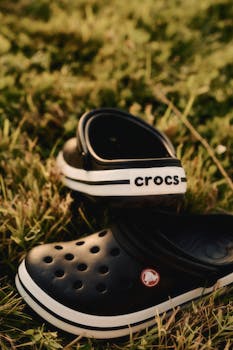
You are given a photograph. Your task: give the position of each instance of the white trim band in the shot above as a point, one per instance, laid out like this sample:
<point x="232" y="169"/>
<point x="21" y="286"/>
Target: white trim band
<point x="148" y="315"/>
<point x="124" y="182"/>
<point x="93" y="333"/>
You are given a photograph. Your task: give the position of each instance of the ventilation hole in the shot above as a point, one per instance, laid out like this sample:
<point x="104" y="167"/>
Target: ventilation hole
<point x="101" y="288"/>
<point x="69" y="257"/>
<point x="103" y="269"/>
<point x="59" y="273"/>
<point x="82" y="267"/>
<point x="115" y="251"/>
<point x="58" y="247"/>
<point x="78" y="284"/>
<point x="95" y="249"/>
<point x="103" y="233"/>
<point x="48" y="259"/>
<point x="80" y="243"/>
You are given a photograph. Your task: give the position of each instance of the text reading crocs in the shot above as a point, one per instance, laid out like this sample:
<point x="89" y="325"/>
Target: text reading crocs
<point x="116" y="281"/>
<point x="120" y="158"/>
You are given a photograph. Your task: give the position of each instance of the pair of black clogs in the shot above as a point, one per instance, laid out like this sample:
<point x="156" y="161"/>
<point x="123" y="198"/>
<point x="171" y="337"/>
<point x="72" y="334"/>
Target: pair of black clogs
<point x="149" y="260"/>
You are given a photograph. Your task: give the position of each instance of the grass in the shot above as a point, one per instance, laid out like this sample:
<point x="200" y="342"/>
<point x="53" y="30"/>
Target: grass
<point x="61" y="58"/>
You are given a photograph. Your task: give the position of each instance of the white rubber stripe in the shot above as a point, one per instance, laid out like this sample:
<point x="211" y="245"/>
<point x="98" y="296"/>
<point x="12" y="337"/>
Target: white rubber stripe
<point x="112" y="321"/>
<point x="90" y="333"/>
<point x="143" y="181"/>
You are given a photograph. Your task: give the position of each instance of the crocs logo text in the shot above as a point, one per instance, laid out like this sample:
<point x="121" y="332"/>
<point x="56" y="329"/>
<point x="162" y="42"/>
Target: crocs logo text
<point x="150" y="277"/>
<point x="157" y="180"/>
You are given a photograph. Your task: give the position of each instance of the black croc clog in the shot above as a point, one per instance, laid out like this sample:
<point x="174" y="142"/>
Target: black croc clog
<point x="119" y="158"/>
<point x="108" y="285"/>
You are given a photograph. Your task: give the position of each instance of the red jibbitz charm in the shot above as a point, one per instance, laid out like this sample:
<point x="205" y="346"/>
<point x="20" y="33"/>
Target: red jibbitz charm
<point x="150" y="277"/>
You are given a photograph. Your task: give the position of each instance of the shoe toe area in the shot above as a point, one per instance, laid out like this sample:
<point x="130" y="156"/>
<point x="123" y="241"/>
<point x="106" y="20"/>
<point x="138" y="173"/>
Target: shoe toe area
<point x="86" y="274"/>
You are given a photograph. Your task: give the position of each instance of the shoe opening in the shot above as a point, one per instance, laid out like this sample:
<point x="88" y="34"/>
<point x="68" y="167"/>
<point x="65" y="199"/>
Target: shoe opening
<point x="114" y="138"/>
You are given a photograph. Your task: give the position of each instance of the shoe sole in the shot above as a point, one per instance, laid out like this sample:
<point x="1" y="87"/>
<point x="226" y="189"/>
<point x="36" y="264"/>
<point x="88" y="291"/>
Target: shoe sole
<point x="100" y="327"/>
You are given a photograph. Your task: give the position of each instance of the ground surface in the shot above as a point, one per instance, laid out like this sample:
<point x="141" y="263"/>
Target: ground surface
<point x="170" y="62"/>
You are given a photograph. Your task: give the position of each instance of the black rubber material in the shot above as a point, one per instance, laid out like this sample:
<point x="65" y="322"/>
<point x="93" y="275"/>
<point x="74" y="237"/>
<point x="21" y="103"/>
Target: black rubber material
<point x="110" y="139"/>
<point x="204" y="239"/>
<point x="100" y="274"/>
<point x="167" y="202"/>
